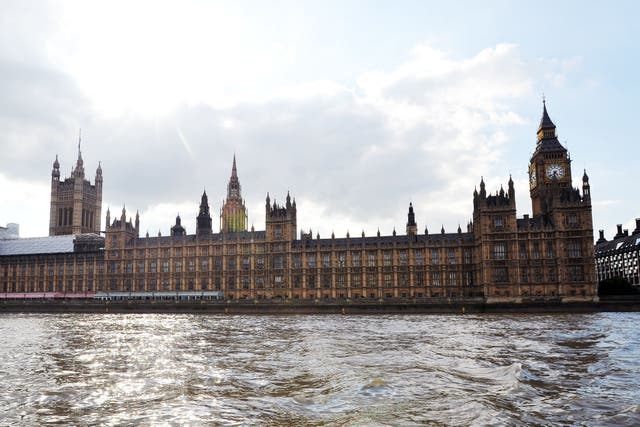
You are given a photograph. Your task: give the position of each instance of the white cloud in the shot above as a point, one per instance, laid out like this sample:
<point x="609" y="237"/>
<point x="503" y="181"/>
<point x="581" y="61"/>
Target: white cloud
<point x="354" y="154"/>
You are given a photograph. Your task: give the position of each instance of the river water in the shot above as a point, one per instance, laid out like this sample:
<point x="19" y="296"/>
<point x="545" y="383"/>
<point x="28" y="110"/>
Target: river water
<point x="167" y="369"/>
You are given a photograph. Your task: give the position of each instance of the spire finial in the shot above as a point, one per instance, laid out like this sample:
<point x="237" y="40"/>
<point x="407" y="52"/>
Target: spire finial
<point x="79" y="141"/>
<point x="234" y="171"/>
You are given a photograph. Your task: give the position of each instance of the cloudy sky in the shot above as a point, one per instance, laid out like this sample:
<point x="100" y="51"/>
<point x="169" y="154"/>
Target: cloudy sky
<point x="355" y="107"/>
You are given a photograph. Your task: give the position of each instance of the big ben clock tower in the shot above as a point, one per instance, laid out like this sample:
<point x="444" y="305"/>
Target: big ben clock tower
<point x="549" y="168"/>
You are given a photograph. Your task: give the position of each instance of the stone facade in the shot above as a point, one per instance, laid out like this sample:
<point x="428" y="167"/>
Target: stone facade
<point x="546" y="256"/>
<point x="76" y="204"/>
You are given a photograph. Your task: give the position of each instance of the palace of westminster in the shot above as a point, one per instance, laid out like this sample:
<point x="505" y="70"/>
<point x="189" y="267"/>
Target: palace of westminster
<point x="500" y="257"/>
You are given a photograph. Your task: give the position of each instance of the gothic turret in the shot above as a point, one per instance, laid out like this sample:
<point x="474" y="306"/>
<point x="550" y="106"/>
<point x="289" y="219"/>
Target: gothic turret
<point x="203" y="220"/>
<point x="178" y="229"/>
<point x="55" y="173"/>
<point x="586" y="188"/>
<point x="412" y="227"/>
<point x="281" y="221"/>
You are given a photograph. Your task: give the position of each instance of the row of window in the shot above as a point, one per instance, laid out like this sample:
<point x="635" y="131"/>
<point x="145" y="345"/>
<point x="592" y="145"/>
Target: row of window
<point x="574" y="250"/>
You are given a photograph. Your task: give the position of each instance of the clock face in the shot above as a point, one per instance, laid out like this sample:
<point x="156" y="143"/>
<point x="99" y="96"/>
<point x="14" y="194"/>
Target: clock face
<point x="532" y="177"/>
<point x="555" y="171"/>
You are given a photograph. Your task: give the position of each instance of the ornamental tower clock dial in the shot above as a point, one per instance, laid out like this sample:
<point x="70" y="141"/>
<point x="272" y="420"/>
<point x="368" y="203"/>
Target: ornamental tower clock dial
<point x="555" y="171"/>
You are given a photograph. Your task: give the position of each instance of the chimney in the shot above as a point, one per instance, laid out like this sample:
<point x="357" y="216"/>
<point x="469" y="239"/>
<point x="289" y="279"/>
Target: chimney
<point x="626" y="232"/>
<point x="637" y="230"/>
<point x="619" y="233"/>
<point x="601" y="239"/>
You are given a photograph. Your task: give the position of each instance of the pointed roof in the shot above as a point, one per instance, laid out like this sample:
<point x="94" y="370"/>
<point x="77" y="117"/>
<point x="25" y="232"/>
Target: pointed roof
<point x="545" y="120"/>
<point x="547" y="141"/>
<point x="234" y="171"/>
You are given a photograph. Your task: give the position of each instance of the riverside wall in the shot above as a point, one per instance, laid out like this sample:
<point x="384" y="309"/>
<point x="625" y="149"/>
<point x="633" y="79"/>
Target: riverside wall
<point x="320" y="307"/>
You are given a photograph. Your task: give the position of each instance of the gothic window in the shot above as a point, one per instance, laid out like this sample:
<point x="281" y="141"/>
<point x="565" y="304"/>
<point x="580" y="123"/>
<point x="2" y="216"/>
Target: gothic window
<point x="245" y="283"/>
<point x="297" y="281"/>
<point x="245" y="263"/>
<point x="499" y="250"/>
<point x="538" y="274"/>
<point x="191" y="265"/>
<point x="523" y="250"/>
<point x="326" y="260"/>
<point x="452" y="278"/>
<point x="419" y="279"/>
<point x="259" y="282"/>
<point x="550" y="249"/>
<point x="467" y="256"/>
<point x="178" y="267"/>
<point x="386" y="258"/>
<point x="311" y="281"/>
<point x="524" y="276"/>
<point x="572" y="220"/>
<point x="342" y="280"/>
<point x="140" y="266"/>
<point x="311" y="260"/>
<point x="452" y="256"/>
<point x="435" y="278"/>
<point x="435" y="256"/>
<point x="260" y="262"/>
<point x="552" y="274"/>
<point x="277" y="261"/>
<point x="371" y="280"/>
<point x="356" y="281"/>
<point x="355" y="259"/>
<point x="403" y="257"/>
<point x="129" y="267"/>
<point x="576" y="273"/>
<point x="297" y="262"/>
<point x="278" y="231"/>
<point x="371" y="259"/>
<point x="388" y="280"/>
<point x="403" y="279"/>
<point x="574" y="249"/>
<point x="468" y="278"/>
<point x="498" y="223"/>
<point x="326" y="281"/>
<point x="536" y="250"/>
<point x="341" y="259"/>
<point x="153" y="266"/>
<point x="165" y="266"/>
<point x="501" y="275"/>
<point x="231" y="263"/>
<point x="419" y="257"/>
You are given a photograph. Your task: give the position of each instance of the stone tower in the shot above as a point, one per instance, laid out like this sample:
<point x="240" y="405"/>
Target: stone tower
<point x="203" y="220"/>
<point x="233" y="215"/>
<point x="281" y="221"/>
<point x="75" y="203"/>
<point x="412" y="227"/>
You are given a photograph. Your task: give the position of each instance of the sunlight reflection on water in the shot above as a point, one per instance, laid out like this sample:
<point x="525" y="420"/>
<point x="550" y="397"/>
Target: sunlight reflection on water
<point x="319" y="370"/>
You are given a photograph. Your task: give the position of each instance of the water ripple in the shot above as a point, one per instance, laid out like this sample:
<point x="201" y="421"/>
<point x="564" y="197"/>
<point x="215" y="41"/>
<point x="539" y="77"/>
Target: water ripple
<point x="83" y="369"/>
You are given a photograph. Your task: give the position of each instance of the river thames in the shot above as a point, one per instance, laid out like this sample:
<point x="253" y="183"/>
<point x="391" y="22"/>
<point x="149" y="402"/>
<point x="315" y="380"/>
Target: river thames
<point x="150" y="369"/>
